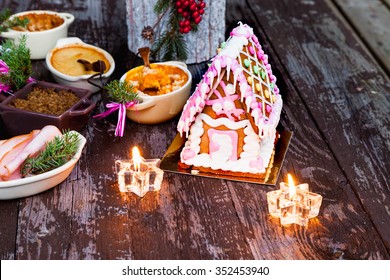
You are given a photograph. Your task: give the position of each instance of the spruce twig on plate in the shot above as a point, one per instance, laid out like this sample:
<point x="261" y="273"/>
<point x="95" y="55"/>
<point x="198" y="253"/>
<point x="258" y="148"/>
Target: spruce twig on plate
<point x="57" y="152"/>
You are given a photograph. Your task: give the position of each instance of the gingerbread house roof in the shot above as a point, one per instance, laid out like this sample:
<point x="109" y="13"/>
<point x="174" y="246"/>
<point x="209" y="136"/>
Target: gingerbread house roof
<point x="242" y="57"/>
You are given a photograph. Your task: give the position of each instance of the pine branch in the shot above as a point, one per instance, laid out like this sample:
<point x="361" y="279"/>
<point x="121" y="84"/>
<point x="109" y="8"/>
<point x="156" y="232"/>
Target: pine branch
<point x="122" y="92"/>
<point x="171" y="44"/>
<point x="162" y="6"/>
<point x="17" y="58"/>
<point x="57" y="152"/>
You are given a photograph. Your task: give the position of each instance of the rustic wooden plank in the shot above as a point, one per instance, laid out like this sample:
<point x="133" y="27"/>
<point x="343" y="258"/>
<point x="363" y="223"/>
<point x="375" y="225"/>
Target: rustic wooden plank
<point x="192" y="218"/>
<point x="371" y="20"/>
<point x="88" y="218"/>
<point x="344" y="90"/>
<point x="387" y="3"/>
<point x="8" y="228"/>
<point x="343" y="224"/>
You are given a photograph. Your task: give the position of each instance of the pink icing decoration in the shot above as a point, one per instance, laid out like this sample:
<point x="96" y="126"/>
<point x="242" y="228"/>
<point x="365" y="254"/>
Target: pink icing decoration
<point x="242" y="31"/>
<point x="257" y="163"/>
<point x="251" y="50"/>
<point x="265" y="59"/>
<point x="193" y="107"/>
<point x="255" y="40"/>
<point x="230" y="98"/>
<point x="215" y="146"/>
<point x="260" y="54"/>
<point x="188" y="154"/>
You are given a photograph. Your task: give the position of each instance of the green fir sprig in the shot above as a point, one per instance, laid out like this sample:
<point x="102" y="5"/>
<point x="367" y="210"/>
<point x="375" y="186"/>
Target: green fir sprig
<point x="162" y="6"/>
<point x="122" y="92"/>
<point x="170" y="45"/>
<point x="17" y="58"/>
<point x="57" y="152"/>
<point x="6" y="23"/>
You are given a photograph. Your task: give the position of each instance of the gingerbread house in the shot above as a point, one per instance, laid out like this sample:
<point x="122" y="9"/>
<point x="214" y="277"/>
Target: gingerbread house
<point x="230" y="120"/>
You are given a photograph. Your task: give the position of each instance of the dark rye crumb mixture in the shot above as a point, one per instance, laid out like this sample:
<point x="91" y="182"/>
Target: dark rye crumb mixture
<point x="46" y="101"/>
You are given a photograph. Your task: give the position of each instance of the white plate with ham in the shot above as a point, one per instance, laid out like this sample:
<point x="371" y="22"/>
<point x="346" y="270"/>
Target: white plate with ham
<point x="34" y="184"/>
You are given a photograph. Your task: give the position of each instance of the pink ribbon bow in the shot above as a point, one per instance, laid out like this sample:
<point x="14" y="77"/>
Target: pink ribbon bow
<point x="112" y="107"/>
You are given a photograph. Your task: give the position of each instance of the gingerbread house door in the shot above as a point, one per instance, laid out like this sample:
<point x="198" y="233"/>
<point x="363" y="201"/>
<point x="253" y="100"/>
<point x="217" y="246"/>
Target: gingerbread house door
<point x="223" y="145"/>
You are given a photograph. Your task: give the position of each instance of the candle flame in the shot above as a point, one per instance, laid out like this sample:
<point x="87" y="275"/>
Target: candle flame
<point x="292" y="190"/>
<point x="136" y="159"/>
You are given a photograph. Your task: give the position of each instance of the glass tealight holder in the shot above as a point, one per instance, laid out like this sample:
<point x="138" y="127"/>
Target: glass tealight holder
<point x="140" y="178"/>
<point x="297" y="208"/>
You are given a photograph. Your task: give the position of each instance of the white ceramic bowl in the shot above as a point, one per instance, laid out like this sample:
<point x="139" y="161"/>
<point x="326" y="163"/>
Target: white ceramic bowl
<point x="161" y="108"/>
<point x="40" y="42"/>
<point x="36" y="184"/>
<point x="79" y="81"/>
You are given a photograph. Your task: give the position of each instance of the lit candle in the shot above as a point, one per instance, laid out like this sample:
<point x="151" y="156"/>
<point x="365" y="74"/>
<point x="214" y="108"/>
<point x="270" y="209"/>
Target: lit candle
<point x="138" y="175"/>
<point x="293" y="204"/>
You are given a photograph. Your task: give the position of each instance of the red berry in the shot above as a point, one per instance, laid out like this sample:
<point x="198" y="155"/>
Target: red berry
<point x="186" y="3"/>
<point x="187" y="23"/>
<point x="180" y="10"/>
<point x="178" y="4"/>
<point x="201" y="11"/>
<point x="195" y="14"/>
<point x="198" y="19"/>
<point x="186" y="14"/>
<point x="193" y="7"/>
<point x="181" y="23"/>
<point x="201" y="5"/>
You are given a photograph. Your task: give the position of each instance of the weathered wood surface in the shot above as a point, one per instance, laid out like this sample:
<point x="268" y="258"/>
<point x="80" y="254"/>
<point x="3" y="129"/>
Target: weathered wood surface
<point x="345" y="92"/>
<point x="335" y="100"/>
<point x="371" y="19"/>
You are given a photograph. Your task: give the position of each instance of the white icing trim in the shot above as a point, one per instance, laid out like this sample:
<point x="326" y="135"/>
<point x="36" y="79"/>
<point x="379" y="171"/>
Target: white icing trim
<point x="223" y="121"/>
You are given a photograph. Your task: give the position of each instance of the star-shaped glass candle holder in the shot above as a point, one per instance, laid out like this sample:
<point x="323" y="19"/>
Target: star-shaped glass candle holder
<point x="138" y="175"/>
<point x="293" y="204"/>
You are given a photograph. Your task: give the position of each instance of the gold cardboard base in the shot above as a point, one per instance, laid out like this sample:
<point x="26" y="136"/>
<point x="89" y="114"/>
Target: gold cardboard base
<point x="171" y="159"/>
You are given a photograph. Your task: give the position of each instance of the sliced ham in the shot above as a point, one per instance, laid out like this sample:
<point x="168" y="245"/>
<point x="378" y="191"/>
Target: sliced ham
<point x="36" y="145"/>
<point x="16" y="175"/>
<point x="12" y="142"/>
<point x="11" y="154"/>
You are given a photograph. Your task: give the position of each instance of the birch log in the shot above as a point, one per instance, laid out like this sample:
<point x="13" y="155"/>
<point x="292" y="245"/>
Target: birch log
<point x="202" y="45"/>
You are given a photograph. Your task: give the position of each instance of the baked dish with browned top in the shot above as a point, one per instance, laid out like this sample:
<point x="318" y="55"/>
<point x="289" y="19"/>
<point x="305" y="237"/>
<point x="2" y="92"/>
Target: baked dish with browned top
<point x="40" y="22"/>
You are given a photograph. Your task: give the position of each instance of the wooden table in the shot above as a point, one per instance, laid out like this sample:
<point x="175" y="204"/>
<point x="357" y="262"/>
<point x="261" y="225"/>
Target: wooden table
<point x="331" y="62"/>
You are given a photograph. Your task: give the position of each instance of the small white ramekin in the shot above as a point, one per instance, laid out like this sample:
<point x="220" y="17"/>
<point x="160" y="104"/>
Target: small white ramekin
<point x="79" y="81"/>
<point x="40" y="42"/>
